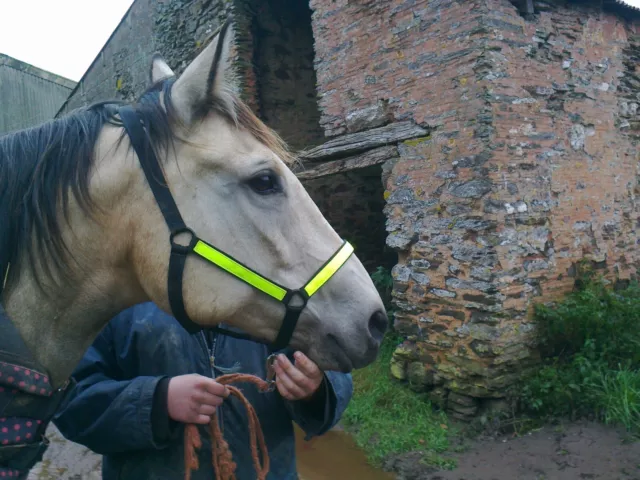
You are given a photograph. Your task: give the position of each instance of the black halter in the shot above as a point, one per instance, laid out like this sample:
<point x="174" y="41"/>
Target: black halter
<point x="155" y="177"/>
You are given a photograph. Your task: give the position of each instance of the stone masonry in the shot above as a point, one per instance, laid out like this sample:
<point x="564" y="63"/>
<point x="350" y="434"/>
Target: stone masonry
<point x="530" y="166"/>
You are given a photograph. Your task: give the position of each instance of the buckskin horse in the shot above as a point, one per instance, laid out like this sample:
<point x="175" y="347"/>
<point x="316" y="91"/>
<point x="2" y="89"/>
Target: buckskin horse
<point x="184" y="198"/>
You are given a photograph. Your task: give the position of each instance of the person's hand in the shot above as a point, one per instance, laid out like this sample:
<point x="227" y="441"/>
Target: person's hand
<point x="299" y="381"/>
<point x="193" y="398"/>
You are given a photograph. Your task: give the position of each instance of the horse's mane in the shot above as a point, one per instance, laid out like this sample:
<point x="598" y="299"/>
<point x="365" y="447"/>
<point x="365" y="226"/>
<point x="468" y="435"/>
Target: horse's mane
<point x="39" y="166"/>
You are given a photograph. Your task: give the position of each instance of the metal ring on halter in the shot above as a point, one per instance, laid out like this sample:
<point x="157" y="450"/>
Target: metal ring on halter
<point x="271" y="372"/>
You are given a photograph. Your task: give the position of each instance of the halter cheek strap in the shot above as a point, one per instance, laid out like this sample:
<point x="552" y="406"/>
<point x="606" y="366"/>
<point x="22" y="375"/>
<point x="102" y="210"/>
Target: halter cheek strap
<point x="294" y="300"/>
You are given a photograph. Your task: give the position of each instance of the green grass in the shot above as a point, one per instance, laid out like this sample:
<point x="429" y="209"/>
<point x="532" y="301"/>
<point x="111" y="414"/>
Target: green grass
<point x="592" y="365"/>
<point x="617" y="394"/>
<point x="387" y="418"/>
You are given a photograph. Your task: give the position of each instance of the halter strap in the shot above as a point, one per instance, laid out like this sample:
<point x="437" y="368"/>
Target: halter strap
<point x="158" y="184"/>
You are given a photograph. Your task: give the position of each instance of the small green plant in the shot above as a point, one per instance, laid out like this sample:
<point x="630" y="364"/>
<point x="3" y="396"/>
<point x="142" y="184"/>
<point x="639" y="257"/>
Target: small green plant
<point x="383" y="281"/>
<point x="591" y="342"/>
<point x="617" y="394"/>
<point x="608" y="320"/>
<point x="387" y="418"/>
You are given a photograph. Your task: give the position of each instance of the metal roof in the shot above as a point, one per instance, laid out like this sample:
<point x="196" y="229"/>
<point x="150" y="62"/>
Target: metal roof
<point x="28" y="95"/>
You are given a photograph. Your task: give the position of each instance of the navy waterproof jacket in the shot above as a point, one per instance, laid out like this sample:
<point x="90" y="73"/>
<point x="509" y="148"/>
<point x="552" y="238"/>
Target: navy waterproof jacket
<point x="118" y="407"/>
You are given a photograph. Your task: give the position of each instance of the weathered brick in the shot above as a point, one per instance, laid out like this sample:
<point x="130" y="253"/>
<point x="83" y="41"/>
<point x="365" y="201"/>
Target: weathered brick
<point x="523" y="175"/>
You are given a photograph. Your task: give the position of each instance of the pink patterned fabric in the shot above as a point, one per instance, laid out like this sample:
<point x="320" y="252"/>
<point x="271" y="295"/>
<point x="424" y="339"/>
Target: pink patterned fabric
<point x="16" y="430"/>
<point x="9" y="473"/>
<point x="20" y="378"/>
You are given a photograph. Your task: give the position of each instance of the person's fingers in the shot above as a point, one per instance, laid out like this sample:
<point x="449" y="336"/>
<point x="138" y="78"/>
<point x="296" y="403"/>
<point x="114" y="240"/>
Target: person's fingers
<point x="213" y="387"/>
<point x="306" y="366"/>
<point x="290" y="386"/>
<point x="283" y="389"/>
<point x="202" y="419"/>
<point x="206" y="398"/>
<point x="207" y="410"/>
<point x="299" y="378"/>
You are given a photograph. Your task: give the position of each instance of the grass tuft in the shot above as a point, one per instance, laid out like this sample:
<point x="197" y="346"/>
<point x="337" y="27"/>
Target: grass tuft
<point x="387" y="418"/>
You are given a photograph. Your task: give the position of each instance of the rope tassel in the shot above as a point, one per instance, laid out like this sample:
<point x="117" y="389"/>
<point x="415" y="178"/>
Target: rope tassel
<point x="223" y="464"/>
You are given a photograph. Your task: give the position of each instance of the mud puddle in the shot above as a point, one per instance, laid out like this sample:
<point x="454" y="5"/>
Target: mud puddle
<point x="334" y="456"/>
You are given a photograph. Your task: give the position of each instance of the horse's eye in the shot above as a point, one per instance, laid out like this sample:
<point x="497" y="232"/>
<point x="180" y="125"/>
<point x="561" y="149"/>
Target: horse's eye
<point x="265" y="183"/>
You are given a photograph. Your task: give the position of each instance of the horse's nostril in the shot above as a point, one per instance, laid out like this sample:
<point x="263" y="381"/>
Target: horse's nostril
<point x="378" y="324"/>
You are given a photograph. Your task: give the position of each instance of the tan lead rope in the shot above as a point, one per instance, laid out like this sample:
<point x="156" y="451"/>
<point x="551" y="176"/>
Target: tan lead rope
<point x="223" y="464"/>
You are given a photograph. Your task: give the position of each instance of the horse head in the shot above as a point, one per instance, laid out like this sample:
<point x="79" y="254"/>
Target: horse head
<point x="231" y="181"/>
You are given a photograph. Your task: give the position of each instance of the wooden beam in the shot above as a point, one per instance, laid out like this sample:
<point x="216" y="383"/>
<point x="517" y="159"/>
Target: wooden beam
<point x="355" y="143"/>
<point x="367" y="159"/>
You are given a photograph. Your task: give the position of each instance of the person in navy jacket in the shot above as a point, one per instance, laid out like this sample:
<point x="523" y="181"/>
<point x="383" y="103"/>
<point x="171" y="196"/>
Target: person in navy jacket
<point x="144" y="377"/>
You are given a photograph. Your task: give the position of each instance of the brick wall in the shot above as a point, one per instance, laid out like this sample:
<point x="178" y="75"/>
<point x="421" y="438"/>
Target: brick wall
<point x="531" y="167"/>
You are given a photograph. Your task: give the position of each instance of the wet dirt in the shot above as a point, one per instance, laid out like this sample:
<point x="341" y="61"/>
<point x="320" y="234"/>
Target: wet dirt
<point x="576" y="451"/>
<point x="573" y="451"/>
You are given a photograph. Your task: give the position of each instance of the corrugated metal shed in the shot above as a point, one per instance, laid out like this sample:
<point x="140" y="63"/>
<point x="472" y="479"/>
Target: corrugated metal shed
<point x="28" y="95"/>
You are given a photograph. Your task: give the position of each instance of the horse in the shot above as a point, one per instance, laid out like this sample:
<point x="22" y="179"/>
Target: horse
<point x="184" y="198"/>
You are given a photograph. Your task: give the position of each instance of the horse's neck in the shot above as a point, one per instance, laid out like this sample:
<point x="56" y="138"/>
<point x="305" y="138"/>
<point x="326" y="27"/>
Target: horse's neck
<point x="58" y="327"/>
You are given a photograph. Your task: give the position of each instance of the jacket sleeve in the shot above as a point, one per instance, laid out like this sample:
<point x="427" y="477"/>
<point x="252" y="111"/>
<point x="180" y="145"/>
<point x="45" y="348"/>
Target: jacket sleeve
<point x="106" y="411"/>
<point x="324" y="411"/>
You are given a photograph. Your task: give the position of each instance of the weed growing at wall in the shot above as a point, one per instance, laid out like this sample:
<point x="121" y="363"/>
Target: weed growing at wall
<point x="387" y="418"/>
<point x="383" y="281"/>
<point x="591" y="343"/>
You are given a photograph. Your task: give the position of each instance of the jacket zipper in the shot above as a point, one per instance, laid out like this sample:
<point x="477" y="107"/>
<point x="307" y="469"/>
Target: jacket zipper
<point x="211" y="352"/>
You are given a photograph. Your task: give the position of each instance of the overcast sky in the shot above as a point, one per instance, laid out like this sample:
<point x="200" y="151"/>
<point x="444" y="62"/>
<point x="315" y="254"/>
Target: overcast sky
<point x="63" y="36"/>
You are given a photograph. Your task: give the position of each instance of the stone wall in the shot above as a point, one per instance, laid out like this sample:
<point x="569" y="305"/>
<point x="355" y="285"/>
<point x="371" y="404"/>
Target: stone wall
<point x="177" y="29"/>
<point x="284" y="70"/>
<point x="274" y="57"/>
<point x="531" y="166"/>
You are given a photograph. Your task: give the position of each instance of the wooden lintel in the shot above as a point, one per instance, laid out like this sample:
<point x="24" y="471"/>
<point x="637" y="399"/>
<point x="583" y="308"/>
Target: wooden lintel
<point x="366" y="159"/>
<point x="356" y="143"/>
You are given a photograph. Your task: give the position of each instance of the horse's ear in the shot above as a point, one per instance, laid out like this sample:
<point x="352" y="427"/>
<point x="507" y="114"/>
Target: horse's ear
<point x="159" y="69"/>
<point x="208" y="79"/>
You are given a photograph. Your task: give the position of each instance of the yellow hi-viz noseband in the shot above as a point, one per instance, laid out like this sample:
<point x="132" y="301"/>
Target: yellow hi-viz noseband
<point x="265" y="285"/>
<point x="271" y="288"/>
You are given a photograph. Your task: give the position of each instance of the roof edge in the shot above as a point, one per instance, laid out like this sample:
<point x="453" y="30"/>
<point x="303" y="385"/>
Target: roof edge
<point x="36" y="71"/>
<point x="625" y="4"/>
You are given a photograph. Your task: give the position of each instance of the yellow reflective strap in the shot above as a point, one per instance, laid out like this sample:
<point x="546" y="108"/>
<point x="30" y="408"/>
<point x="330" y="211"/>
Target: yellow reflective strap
<point x="329" y="269"/>
<point x="243" y="273"/>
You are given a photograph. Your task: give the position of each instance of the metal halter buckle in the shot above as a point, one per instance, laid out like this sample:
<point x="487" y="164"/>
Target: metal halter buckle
<point x="271" y="372"/>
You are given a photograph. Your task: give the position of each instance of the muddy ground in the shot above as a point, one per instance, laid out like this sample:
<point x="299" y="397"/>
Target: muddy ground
<point x="573" y="451"/>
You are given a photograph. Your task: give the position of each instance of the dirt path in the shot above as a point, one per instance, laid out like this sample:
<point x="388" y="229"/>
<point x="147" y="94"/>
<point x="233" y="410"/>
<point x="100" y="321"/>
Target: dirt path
<point x="578" y="451"/>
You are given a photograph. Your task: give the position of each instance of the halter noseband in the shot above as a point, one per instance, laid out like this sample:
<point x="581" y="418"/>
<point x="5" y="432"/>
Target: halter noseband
<point x="208" y="252"/>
